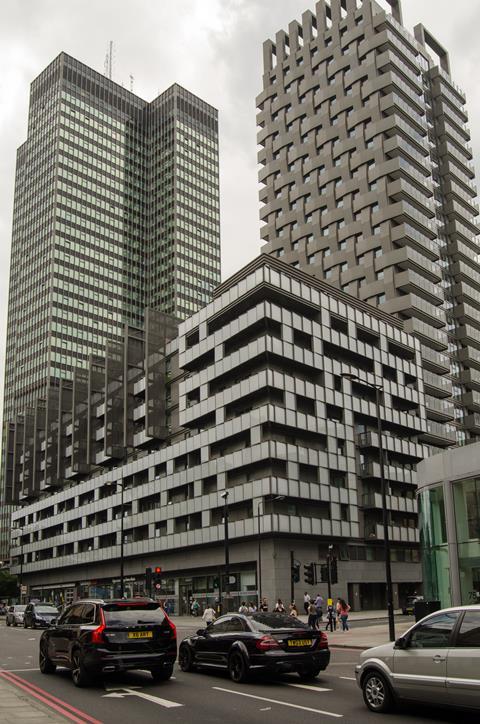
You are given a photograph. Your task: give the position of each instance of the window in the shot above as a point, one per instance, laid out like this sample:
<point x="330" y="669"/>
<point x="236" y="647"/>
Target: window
<point x="235" y="624"/>
<point x="469" y="634"/>
<point x="220" y="626"/>
<point x="434" y="633"/>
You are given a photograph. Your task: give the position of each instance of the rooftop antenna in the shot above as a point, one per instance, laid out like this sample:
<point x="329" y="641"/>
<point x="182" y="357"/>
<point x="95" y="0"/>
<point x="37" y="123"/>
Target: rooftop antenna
<point x="109" y="61"/>
<point x="131" y="83"/>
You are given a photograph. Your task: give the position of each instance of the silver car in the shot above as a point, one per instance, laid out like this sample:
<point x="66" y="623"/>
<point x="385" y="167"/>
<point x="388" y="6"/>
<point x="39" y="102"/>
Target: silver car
<point x="437" y="661"/>
<point x="15" y="615"/>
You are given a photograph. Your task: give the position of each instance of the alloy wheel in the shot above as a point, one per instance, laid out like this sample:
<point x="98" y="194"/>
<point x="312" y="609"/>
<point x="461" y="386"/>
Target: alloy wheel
<point x="375" y="692"/>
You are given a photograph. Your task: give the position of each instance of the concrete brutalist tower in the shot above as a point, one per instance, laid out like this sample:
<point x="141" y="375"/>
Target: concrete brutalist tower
<point x="368" y="183"/>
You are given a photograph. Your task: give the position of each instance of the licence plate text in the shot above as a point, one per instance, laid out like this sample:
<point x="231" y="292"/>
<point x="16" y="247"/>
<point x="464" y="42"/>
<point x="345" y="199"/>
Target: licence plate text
<point x="140" y="635"/>
<point x="300" y="642"/>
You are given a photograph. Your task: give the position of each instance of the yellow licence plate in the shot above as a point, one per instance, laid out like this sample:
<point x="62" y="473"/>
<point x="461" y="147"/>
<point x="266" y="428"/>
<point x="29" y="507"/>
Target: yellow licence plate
<point x="140" y="635"/>
<point x="300" y="642"/>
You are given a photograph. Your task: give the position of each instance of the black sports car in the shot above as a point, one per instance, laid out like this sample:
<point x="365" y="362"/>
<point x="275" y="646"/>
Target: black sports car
<point x="261" y="642"/>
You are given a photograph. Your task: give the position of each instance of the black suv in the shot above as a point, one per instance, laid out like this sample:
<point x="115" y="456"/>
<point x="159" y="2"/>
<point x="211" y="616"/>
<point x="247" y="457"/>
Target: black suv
<point x="93" y="637"/>
<point x="39" y="615"/>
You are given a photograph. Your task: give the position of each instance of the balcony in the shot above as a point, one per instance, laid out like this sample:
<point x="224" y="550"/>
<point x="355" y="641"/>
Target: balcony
<point x="437" y="385"/>
<point x="407" y="235"/>
<point x="469" y="356"/>
<point x="472" y="423"/>
<point x="435" y="361"/>
<point x="433" y="337"/>
<point x="440" y="410"/>
<point x="392" y="473"/>
<point x="398" y="534"/>
<point x="410" y="281"/>
<point x="470" y="378"/>
<point x="438" y="434"/>
<point x="468" y="336"/>
<point x="471" y="400"/>
<point x="394" y="502"/>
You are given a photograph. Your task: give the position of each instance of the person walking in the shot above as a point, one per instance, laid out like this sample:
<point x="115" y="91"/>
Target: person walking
<point x="319" y="602"/>
<point x="312" y="615"/>
<point x="343" y="610"/>
<point x="209" y="615"/>
<point x="195" y="607"/>
<point x="264" y="605"/>
<point x="279" y="607"/>
<point x="306" y="601"/>
<point x="243" y="608"/>
<point x="293" y="609"/>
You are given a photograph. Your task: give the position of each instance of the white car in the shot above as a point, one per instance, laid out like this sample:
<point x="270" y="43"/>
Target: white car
<point x="15" y="615"/>
<point x="437" y="661"/>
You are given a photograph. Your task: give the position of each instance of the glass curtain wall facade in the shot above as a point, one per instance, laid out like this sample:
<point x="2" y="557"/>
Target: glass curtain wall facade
<point x="107" y="221"/>
<point x="368" y="182"/>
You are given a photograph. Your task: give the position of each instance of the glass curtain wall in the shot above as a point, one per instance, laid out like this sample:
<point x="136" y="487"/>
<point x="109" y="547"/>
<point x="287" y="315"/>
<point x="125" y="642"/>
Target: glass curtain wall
<point x="466" y="494"/>
<point x="434" y="546"/>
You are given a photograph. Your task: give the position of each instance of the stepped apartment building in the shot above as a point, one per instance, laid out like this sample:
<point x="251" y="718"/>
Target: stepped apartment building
<point x="116" y="209"/>
<point x="368" y="183"/>
<point x="248" y="397"/>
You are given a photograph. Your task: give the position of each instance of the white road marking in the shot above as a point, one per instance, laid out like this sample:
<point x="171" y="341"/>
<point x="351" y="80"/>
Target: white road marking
<point x="32" y="639"/>
<point x="281" y="703"/>
<point x="19" y="671"/>
<point x="121" y="692"/>
<point x="347" y="678"/>
<point x="309" y="687"/>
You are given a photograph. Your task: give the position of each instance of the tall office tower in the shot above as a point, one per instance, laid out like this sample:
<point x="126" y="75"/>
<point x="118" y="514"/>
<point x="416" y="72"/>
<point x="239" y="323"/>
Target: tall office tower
<point x="368" y="183"/>
<point x="116" y="208"/>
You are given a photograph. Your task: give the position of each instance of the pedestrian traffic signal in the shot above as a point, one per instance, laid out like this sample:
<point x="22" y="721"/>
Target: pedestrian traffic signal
<point x="295" y="571"/>
<point x="309" y="574"/>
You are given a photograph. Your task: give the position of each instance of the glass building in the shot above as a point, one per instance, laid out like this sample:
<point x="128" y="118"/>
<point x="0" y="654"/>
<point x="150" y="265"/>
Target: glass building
<point x="449" y="493"/>
<point x="116" y="209"/>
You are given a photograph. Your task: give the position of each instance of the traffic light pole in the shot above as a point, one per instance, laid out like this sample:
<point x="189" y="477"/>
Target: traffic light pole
<point x="329" y="575"/>
<point x="292" y="582"/>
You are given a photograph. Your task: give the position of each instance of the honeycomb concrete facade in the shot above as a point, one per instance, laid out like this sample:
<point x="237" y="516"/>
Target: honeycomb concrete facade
<point x="368" y="183"/>
<point x="258" y="408"/>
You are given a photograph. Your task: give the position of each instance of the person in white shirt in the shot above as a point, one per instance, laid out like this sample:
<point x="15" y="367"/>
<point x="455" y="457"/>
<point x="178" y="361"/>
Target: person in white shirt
<point x="209" y="615"/>
<point x="306" y="601"/>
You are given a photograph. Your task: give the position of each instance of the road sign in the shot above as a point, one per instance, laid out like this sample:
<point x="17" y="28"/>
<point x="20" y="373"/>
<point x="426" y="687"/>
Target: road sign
<point x="23" y="590"/>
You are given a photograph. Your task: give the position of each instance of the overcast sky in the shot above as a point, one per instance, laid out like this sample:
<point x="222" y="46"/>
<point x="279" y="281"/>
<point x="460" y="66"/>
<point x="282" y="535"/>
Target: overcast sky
<point x="214" y="49"/>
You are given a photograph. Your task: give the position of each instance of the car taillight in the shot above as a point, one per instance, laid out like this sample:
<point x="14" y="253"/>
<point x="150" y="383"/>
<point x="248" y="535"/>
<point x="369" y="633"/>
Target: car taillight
<point x="266" y="643"/>
<point x="323" y="641"/>
<point x="97" y="634"/>
<point x="173" y="628"/>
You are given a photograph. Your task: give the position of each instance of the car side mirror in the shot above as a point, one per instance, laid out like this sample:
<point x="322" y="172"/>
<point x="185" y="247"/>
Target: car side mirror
<point x="401" y="643"/>
<point x="53" y="622"/>
<point x="202" y="632"/>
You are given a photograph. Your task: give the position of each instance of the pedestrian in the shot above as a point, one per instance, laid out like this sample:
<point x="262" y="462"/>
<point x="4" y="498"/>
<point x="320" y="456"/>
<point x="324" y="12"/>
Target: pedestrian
<point x="306" y="601"/>
<point x="312" y="615"/>
<point x="319" y="602"/>
<point x="279" y="607"/>
<point x="195" y="607"/>
<point x="252" y="608"/>
<point x="293" y="609"/>
<point x="343" y="610"/>
<point x="243" y="608"/>
<point x="209" y="615"/>
<point x="264" y="605"/>
<point x="331" y="619"/>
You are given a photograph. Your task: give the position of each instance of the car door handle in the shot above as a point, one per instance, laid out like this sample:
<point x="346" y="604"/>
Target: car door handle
<point x="438" y="659"/>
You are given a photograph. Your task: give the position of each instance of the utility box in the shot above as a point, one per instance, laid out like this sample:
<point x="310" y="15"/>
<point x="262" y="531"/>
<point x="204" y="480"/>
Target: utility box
<point x="423" y="608"/>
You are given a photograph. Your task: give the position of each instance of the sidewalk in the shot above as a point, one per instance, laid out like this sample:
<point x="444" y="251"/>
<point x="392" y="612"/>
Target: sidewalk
<point x="18" y="707"/>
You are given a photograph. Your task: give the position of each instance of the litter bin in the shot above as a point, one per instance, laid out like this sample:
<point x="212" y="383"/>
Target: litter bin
<point x="423" y="608"/>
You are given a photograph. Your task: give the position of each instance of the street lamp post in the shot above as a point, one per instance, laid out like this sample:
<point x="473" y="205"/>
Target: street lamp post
<point x="119" y="483"/>
<point x="259" y="553"/>
<point x="386" y="534"/>
<point x="227" y="551"/>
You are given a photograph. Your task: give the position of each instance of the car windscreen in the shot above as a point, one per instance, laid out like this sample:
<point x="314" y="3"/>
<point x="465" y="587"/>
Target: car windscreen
<point x="133" y="615"/>
<point x="269" y="621"/>
<point x="46" y="609"/>
<point x="19" y="609"/>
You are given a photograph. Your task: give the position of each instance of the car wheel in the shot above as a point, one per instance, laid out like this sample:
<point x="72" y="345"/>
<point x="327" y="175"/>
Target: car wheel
<point x="376" y="692"/>
<point x="160" y="674"/>
<point x="237" y="667"/>
<point x="44" y="661"/>
<point x="309" y="674"/>
<point x="80" y="676"/>
<point x="185" y="658"/>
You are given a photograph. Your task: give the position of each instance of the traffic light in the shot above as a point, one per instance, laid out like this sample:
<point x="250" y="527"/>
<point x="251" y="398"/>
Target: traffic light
<point x="157" y="576"/>
<point x="309" y="573"/>
<point x="333" y="570"/>
<point x="148" y="580"/>
<point x="295" y="571"/>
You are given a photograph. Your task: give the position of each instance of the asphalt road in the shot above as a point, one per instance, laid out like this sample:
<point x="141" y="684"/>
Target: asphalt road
<point x="208" y="698"/>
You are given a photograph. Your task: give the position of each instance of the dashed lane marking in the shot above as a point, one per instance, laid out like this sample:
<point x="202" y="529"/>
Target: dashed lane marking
<point x="347" y="678"/>
<point x="309" y="687"/>
<point x="280" y="703"/>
